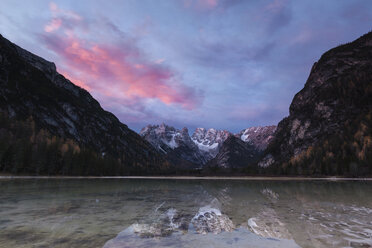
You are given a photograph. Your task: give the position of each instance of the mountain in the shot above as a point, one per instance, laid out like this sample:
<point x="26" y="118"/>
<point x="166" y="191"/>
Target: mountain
<point x="33" y="92"/>
<point x="209" y="141"/>
<point x="234" y="153"/>
<point x="259" y="137"/>
<point x="175" y="144"/>
<point x="210" y="147"/>
<point x="242" y="150"/>
<point x="329" y="128"/>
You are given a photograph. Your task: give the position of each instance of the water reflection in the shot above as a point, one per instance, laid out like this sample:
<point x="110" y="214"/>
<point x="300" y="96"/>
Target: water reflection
<point x="163" y="213"/>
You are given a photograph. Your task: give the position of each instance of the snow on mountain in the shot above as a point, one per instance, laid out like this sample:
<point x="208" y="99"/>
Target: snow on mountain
<point x="204" y="144"/>
<point x="259" y="137"/>
<point x="176" y="143"/>
<point x="209" y="140"/>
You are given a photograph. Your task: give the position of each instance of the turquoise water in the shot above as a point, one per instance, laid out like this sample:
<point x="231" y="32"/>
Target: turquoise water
<point x="184" y="213"/>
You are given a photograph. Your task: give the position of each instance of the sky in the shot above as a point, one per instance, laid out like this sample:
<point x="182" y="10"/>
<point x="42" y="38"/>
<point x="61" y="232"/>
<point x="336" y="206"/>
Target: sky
<point x="223" y="64"/>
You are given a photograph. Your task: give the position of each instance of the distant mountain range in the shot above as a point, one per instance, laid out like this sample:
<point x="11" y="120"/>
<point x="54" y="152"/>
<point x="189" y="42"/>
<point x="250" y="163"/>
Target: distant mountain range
<point x="49" y="126"/>
<point x="207" y="144"/>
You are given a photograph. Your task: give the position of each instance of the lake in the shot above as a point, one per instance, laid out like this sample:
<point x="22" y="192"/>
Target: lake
<point x="122" y="212"/>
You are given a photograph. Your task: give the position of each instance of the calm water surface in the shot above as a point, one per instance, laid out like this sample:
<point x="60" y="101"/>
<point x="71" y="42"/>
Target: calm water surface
<point x="113" y="213"/>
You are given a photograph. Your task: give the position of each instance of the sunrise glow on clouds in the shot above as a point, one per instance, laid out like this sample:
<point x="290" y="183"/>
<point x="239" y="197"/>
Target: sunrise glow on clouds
<point x="117" y="70"/>
<point x="227" y="64"/>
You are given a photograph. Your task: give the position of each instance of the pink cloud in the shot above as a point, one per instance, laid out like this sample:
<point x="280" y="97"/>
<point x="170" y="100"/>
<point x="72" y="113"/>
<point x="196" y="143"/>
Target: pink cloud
<point x="55" y="10"/>
<point x="76" y="81"/>
<point x="114" y="69"/>
<point x="59" y="17"/>
<point x="55" y="24"/>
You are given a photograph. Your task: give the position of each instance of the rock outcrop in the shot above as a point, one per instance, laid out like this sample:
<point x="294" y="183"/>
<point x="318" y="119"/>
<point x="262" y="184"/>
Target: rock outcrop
<point x="259" y="137"/>
<point x="175" y="144"/>
<point x="211" y="220"/>
<point x="210" y="147"/>
<point x="234" y="153"/>
<point x="209" y="141"/>
<point x="329" y="128"/>
<point x="30" y="86"/>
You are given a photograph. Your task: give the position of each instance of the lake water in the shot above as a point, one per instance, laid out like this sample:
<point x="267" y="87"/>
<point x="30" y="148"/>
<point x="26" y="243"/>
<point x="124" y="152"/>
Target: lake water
<point x="113" y="213"/>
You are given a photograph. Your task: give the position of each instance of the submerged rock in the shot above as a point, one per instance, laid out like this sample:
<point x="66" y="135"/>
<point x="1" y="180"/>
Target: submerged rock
<point x="270" y="194"/>
<point x="241" y="238"/>
<point x="164" y="225"/>
<point x="211" y="220"/>
<point x="152" y="230"/>
<point x="267" y="224"/>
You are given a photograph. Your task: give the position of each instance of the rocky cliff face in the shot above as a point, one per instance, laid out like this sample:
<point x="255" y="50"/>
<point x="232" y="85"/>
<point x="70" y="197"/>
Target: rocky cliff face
<point x="208" y="146"/>
<point x="229" y="150"/>
<point x="209" y="141"/>
<point x="329" y="130"/>
<point x="259" y="137"/>
<point x="31" y="86"/>
<point x="175" y="144"/>
<point x="234" y="153"/>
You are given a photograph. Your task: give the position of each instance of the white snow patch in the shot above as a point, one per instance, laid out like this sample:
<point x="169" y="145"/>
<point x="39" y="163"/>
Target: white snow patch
<point x="172" y="143"/>
<point x="205" y="147"/>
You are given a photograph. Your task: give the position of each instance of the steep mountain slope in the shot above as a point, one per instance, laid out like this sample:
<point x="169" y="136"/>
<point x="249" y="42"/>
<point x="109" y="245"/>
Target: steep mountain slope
<point x="209" y="141"/>
<point x="329" y="129"/>
<point x="31" y="86"/>
<point x="234" y="153"/>
<point x="259" y="137"/>
<point x="176" y="144"/>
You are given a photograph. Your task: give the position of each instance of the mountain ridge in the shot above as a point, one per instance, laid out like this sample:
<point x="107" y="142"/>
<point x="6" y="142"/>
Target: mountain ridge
<point x="207" y="142"/>
<point x="328" y="130"/>
<point x="31" y="86"/>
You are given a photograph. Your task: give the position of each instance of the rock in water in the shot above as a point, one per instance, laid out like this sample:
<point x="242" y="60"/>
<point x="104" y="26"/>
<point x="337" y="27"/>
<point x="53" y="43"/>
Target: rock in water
<point x="268" y="225"/>
<point x="211" y="220"/>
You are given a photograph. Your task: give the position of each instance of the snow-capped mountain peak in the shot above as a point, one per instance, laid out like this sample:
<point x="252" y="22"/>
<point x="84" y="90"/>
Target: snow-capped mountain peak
<point x="204" y="144"/>
<point x="158" y="135"/>
<point x="174" y="142"/>
<point x="209" y="140"/>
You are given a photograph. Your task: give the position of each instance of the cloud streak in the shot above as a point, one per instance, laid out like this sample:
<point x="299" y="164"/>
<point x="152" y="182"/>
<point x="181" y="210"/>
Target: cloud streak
<point x="115" y="69"/>
<point x="146" y="61"/>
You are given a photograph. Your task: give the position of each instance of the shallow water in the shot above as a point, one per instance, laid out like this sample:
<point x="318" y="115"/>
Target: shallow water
<point x="115" y="213"/>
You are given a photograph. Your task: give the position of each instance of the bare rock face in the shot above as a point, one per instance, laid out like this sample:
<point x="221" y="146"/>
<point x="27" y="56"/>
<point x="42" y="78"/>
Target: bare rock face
<point x="208" y="147"/>
<point x="260" y="137"/>
<point x="209" y="141"/>
<point x="31" y="86"/>
<point x="234" y="153"/>
<point x="329" y="114"/>
<point x="233" y="150"/>
<point x="175" y="144"/>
